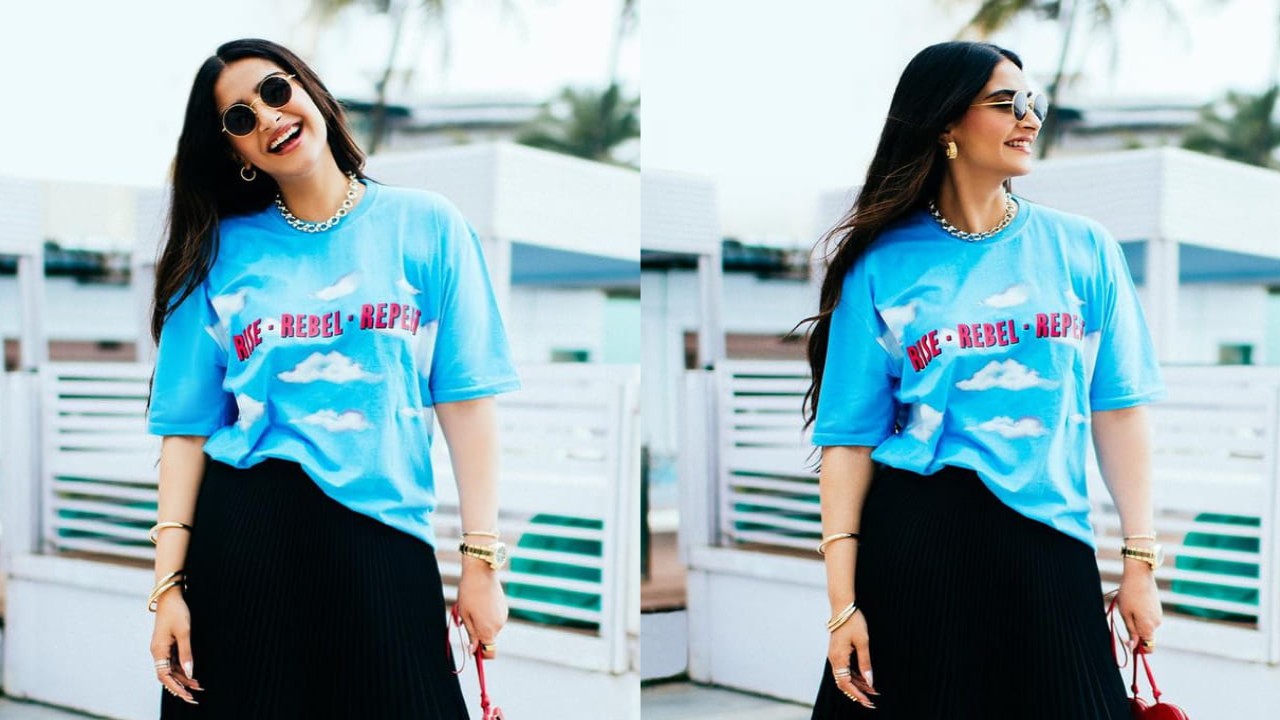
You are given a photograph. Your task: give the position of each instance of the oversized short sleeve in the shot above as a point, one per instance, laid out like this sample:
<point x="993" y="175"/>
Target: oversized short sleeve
<point x="471" y="358"/>
<point x="856" y="403"/>
<point x="187" y="396"/>
<point x="1125" y="370"/>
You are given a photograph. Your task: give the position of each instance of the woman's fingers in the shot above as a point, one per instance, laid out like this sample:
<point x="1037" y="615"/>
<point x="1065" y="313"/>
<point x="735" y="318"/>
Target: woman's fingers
<point x="1143" y="631"/>
<point x="165" y="675"/>
<point x="184" y="671"/>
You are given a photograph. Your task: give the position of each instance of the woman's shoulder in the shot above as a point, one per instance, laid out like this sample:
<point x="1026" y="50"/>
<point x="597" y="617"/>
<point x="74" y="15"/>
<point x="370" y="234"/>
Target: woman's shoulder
<point x="420" y="200"/>
<point x="1075" y="225"/>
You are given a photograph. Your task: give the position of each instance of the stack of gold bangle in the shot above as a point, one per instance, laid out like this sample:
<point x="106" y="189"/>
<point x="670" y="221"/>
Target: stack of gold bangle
<point x="842" y="617"/>
<point x="172" y="579"/>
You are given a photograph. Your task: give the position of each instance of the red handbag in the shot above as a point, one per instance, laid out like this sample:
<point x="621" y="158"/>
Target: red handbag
<point x="1141" y="710"/>
<point x="488" y="711"/>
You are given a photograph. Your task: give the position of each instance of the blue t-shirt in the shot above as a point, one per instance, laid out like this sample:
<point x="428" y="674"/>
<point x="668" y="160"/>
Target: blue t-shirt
<point x="330" y="348"/>
<point x="989" y="355"/>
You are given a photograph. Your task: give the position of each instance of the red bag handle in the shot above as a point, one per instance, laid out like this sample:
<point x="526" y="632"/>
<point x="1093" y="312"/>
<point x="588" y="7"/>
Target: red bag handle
<point x="487" y="712"/>
<point x="1139" y="653"/>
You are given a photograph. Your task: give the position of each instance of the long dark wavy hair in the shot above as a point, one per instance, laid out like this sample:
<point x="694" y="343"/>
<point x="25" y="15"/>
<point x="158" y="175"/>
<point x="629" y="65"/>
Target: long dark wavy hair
<point x="935" y="90"/>
<point x="206" y="174"/>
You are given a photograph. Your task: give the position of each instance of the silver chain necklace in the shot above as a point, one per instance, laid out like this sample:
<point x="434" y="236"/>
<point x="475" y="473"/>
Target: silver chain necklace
<point x="1010" y="210"/>
<point x="310" y="227"/>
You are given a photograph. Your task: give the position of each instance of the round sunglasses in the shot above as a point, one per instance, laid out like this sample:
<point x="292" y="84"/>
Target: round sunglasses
<point x="274" y="91"/>
<point x="1022" y="101"/>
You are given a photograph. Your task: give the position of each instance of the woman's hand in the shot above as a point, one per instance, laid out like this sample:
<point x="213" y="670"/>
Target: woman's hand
<point x="171" y="640"/>
<point x="1139" y="604"/>
<point x="481" y="603"/>
<point x="851" y="644"/>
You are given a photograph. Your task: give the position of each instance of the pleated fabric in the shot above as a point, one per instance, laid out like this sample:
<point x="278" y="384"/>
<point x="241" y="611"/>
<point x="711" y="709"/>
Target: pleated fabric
<point x="974" y="610"/>
<point x="303" y="608"/>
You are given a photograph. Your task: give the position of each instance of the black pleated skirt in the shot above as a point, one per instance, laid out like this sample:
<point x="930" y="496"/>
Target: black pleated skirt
<point x="974" y="610"/>
<point x="303" y="608"/>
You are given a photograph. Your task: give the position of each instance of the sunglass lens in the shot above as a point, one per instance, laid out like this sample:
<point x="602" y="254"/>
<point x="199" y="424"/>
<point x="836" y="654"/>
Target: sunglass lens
<point x="276" y="91"/>
<point x="1019" y="105"/>
<point x="1041" y="108"/>
<point x="239" y="120"/>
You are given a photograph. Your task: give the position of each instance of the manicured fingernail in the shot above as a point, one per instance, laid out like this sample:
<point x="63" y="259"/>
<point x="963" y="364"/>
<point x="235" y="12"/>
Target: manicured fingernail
<point x="870" y="681"/>
<point x="188" y="667"/>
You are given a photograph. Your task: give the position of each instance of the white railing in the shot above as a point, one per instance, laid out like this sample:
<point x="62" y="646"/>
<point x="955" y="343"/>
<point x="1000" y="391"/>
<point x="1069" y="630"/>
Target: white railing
<point x="569" y="493"/>
<point x="1214" y="454"/>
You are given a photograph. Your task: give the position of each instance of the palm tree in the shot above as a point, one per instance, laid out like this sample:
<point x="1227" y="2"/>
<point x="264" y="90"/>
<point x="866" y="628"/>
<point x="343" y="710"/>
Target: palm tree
<point x="1243" y="130"/>
<point x="994" y="15"/>
<point x="585" y="124"/>
<point x="434" y="12"/>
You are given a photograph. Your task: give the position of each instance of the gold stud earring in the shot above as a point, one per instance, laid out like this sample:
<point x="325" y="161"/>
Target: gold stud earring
<point x="952" y="151"/>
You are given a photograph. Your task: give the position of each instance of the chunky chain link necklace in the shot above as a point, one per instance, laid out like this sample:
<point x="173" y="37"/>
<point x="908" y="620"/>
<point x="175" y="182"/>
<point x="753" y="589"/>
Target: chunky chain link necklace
<point x="311" y="227"/>
<point x="1010" y="210"/>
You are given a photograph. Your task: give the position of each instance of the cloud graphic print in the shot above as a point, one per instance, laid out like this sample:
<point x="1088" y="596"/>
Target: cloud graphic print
<point x="1006" y="375"/>
<point x="250" y="411"/>
<point x="1009" y="297"/>
<point x="331" y="367"/>
<point x="925" y="421"/>
<point x="1010" y="428"/>
<point x="333" y="421"/>
<point x="345" y="285"/>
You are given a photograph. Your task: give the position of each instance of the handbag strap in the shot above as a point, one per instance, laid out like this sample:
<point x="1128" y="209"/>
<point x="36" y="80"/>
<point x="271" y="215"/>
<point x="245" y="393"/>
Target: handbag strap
<point x="479" y="656"/>
<point x="1139" y="654"/>
<point x="484" y="692"/>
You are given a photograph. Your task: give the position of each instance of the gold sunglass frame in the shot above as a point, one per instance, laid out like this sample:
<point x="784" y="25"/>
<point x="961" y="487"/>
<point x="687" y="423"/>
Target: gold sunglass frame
<point x="1031" y="104"/>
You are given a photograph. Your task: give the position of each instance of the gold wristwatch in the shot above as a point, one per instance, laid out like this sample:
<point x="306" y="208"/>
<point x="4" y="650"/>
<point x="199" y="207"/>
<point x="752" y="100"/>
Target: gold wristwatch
<point x="494" y="553"/>
<point x="1153" y="556"/>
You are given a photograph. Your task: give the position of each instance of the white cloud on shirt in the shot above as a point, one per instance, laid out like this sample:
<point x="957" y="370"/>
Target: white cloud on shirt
<point x="228" y="305"/>
<point x="331" y="367"/>
<point x="1013" y="295"/>
<point x="1007" y="375"/>
<point x="345" y="285"/>
<point x="1072" y="298"/>
<point x="250" y="411"/>
<point x="404" y="285"/>
<point x="348" y="421"/>
<point x="1010" y="428"/>
<point x="220" y="335"/>
<point x="425" y="348"/>
<point x="896" y="318"/>
<point x="924" y="422"/>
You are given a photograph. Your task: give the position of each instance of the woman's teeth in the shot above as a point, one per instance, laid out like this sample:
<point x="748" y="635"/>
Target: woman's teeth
<point x="288" y="135"/>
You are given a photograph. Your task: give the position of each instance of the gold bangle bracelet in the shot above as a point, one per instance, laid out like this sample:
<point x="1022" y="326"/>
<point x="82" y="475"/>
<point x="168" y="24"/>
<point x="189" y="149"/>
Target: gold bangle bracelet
<point x="842" y="617"/>
<point x="1151" y="537"/>
<point x="481" y="533"/>
<point x="154" y="533"/>
<point x="822" y="546"/>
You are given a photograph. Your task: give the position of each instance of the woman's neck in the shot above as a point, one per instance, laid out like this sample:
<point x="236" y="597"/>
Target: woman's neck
<point x="316" y="196"/>
<point x="971" y="207"/>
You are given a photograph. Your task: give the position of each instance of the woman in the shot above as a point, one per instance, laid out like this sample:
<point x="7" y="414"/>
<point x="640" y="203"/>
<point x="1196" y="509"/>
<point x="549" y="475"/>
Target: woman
<point x="310" y="323"/>
<point x="966" y="341"/>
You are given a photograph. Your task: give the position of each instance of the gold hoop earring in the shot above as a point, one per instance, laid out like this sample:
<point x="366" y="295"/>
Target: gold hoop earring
<point x="952" y="151"/>
<point x="253" y="174"/>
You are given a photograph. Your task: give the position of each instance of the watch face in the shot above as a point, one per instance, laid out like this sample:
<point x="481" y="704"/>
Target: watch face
<point x="499" y="553"/>
<point x="1159" y="551"/>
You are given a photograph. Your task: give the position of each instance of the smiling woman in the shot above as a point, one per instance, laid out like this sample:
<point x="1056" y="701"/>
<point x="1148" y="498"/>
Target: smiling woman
<point x="966" y="344"/>
<point x="305" y="315"/>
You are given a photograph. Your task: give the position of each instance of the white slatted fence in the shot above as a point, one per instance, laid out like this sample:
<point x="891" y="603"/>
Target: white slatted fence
<point x="1214" y="456"/>
<point x="569" y="495"/>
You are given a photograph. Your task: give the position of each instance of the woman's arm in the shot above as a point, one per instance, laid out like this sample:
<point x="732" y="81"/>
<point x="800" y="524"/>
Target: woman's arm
<point x="843" y="483"/>
<point x="181" y="470"/>
<point x="1122" y="441"/>
<point x="471" y="430"/>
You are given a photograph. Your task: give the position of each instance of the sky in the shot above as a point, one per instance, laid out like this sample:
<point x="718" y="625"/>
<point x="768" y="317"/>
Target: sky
<point x="101" y="98"/>
<point x="780" y="108"/>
